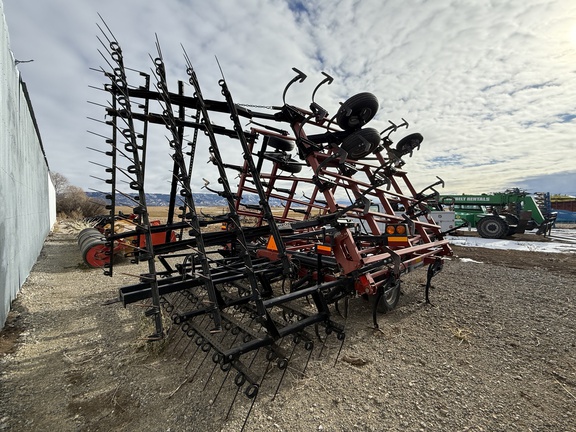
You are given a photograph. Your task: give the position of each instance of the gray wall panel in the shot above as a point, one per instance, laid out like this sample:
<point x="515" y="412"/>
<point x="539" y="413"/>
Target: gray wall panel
<point x="27" y="197"/>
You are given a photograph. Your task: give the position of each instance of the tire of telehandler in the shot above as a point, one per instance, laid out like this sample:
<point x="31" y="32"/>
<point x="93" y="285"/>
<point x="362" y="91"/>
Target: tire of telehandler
<point x="493" y="227"/>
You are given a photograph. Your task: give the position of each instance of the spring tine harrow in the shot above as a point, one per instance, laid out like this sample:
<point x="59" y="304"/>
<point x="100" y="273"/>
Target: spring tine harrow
<point x="322" y="211"/>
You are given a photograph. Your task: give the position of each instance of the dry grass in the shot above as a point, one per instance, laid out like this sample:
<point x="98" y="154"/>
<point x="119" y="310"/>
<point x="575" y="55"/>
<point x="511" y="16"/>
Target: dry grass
<point x="463" y="334"/>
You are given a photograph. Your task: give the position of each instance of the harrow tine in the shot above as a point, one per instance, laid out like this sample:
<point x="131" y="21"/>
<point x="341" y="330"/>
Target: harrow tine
<point x="202" y="347"/>
<point x="186" y="347"/>
<point x="323" y="344"/>
<point x="337" y="307"/>
<point x="184" y="299"/>
<point x="103" y="56"/>
<point x="221" y="385"/>
<point x="255" y="395"/>
<point x="171" y="336"/>
<point x="107" y="28"/>
<point x="210" y="376"/>
<point x="96" y="103"/>
<point x="215" y="362"/>
<point x="317" y="331"/>
<point x="284" y="370"/>
<point x="127" y="196"/>
<point x="240" y="383"/>
<point x="236" y="393"/>
<point x="309" y="346"/>
<point x="173" y="345"/>
<point x="96" y="134"/>
<point x="340" y="337"/>
<point x="191" y="334"/>
<point x="346" y="307"/>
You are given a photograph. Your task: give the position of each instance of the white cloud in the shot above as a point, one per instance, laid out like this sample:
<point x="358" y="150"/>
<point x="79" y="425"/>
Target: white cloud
<point x="490" y="85"/>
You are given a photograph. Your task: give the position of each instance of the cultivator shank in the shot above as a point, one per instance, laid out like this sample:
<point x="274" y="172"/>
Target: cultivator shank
<point x="321" y="211"/>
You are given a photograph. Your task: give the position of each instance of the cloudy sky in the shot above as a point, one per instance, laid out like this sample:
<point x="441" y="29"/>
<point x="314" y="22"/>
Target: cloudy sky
<point x="491" y="85"/>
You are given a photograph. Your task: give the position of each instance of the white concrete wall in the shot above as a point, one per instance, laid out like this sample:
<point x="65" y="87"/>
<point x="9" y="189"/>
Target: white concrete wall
<point x="27" y="196"/>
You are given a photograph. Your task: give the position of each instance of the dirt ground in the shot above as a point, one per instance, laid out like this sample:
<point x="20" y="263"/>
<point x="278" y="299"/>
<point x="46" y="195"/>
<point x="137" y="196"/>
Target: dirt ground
<point x="495" y="352"/>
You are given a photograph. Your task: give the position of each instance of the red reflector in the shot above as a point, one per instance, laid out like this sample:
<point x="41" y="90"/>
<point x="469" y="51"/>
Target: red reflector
<point x="364" y="281"/>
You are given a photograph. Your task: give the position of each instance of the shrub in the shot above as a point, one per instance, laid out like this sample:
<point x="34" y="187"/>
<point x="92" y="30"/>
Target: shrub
<point x="72" y="202"/>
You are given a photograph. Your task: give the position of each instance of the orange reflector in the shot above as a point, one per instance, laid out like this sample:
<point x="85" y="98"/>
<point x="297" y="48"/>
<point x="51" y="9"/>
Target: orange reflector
<point x="224" y="226"/>
<point x="398" y="241"/>
<point x="390" y="229"/>
<point x="323" y="250"/>
<point x="271" y="244"/>
<point x="400" y="229"/>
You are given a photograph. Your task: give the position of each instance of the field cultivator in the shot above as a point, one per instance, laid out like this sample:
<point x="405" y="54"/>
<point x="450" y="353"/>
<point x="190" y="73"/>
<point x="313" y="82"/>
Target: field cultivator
<point x="261" y="284"/>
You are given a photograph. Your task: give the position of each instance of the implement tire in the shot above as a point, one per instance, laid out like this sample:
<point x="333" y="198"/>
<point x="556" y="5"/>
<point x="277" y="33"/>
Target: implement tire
<point x="361" y="143"/>
<point x="290" y="167"/>
<point x="356" y="111"/>
<point x="279" y="143"/>
<point x="389" y="299"/>
<point x="409" y="143"/>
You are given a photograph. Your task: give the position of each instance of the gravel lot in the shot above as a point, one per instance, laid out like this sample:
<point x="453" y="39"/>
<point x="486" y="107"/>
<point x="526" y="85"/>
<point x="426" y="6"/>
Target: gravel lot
<point x="496" y="352"/>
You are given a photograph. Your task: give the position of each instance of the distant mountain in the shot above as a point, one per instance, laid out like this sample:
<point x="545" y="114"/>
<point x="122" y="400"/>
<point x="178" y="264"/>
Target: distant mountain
<point x="200" y="199"/>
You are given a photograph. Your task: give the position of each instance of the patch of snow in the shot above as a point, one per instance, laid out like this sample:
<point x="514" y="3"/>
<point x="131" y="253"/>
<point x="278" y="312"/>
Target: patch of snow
<point x="470" y="260"/>
<point x="507" y="244"/>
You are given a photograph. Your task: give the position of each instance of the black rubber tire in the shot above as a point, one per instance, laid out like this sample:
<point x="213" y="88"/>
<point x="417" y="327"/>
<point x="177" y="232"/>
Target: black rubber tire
<point x="409" y="142"/>
<point x="389" y="299"/>
<point x="357" y="111"/>
<point x="511" y="219"/>
<point x="291" y="167"/>
<point x="361" y="143"/>
<point x="493" y="227"/>
<point x="279" y="143"/>
<point x="513" y="222"/>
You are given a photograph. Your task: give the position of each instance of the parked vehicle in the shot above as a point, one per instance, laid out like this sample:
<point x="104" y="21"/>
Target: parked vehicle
<point x="501" y="214"/>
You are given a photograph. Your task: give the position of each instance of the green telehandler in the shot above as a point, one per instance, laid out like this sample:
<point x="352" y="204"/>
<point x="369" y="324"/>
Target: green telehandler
<point x="501" y="214"/>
